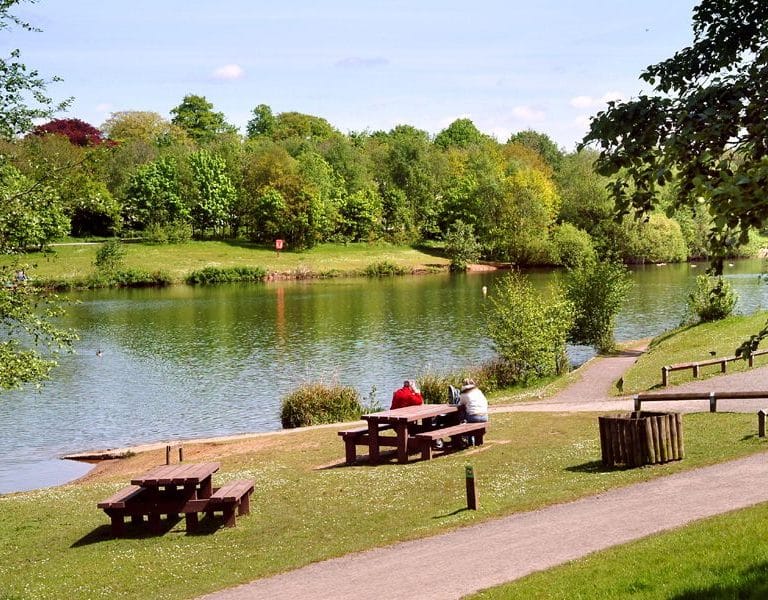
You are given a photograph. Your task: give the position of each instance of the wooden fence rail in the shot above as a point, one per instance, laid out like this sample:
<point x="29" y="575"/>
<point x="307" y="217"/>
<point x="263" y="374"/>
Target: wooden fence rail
<point x="696" y="366"/>
<point x="713" y="397"/>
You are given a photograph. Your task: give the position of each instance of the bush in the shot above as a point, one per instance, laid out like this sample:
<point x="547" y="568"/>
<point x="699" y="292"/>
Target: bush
<point x="317" y="403"/>
<point x="660" y="239"/>
<point x="176" y="232"/>
<point x="712" y="299"/>
<point x="139" y="278"/>
<point x="384" y="268"/>
<point x="597" y="291"/>
<point x="529" y="329"/>
<point x="461" y="246"/>
<point x="211" y="275"/>
<point x="110" y="256"/>
<point x="571" y="246"/>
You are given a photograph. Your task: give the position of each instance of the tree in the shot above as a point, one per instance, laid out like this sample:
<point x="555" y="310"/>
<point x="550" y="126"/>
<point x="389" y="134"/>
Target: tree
<point x="541" y="143"/>
<point x="529" y="329"/>
<point x="597" y="291"/>
<point x="704" y="126"/>
<point x="195" y="115"/>
<point x="461" y="246"/>
<point x="153" y="197"/>
<point x="262" y="123"/>
<point x="22" y="91"/>
<point x="76" y="131"/>
<point x="461" y="133"/>
<point x="213" y="194"/>
<point x="142" y="126"/>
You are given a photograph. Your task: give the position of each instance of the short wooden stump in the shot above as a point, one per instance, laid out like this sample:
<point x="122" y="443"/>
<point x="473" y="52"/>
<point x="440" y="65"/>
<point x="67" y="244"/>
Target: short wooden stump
<point x="641" y="438"/>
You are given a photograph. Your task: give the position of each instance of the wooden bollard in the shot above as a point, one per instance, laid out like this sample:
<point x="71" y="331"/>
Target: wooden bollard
<point x="761" y="421"/>
<point x="471" y="490"/>
<point x="167" y="455"/>
<point x="181" y="453"/>
<point x="712" y="402"/>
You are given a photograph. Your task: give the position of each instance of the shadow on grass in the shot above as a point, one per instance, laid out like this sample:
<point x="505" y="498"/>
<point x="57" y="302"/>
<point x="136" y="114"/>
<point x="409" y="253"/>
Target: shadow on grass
<point x="451" y="514"/>
<point x="139" y="530"/>
<point x="750" y="583"/>
<point x="595" y="467"/>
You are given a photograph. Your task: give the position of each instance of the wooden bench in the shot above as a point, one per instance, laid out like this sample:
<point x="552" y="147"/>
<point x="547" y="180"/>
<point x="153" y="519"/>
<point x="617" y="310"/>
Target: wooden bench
<point x="357" y="437"/>
<point x="713" y="397"/>
<point x="696" y="366"/>
<point x="124" y="503"/>
<point x="455" y="432"/>
<point x="233" y="498"/>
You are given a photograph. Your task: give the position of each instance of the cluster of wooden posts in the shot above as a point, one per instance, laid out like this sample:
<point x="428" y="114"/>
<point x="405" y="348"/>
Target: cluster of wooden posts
<point x="641" y="438"/>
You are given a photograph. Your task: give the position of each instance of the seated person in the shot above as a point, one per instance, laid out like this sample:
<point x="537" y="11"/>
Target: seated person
<point x="474" y="402"/>
<point x="406" y="396"/>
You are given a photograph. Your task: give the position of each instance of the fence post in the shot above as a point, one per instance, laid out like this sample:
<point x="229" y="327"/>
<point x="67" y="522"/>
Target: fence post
<point x="761" y="422"/>
<point x="712" y="402"/>
<point x="471" y="490"/>
<point x="181" y="453"/>
<point x="665" y="376"/>
<point x="637" y="402"/>
<point x="167" y="455"/>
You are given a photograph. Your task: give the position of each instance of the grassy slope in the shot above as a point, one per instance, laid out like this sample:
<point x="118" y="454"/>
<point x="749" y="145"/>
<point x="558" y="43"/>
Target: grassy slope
<point x="179" y="259"/>
<point x="54" y="543"/>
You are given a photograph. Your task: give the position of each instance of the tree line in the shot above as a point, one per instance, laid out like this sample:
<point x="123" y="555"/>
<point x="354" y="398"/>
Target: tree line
<point x="295" y="177"/>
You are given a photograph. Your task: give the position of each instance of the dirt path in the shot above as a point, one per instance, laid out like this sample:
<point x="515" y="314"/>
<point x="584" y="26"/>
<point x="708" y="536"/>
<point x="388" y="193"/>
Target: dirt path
<point x="511" y="547"/>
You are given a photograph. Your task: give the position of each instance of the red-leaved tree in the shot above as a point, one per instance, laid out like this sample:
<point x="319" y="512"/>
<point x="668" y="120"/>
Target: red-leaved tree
<point x="79" y="132"/>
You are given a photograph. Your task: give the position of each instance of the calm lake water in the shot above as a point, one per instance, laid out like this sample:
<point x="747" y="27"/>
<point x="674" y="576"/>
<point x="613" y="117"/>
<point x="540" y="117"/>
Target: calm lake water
<point x="188" y="362"/>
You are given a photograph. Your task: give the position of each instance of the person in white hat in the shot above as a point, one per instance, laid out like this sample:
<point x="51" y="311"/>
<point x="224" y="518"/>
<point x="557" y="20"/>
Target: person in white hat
<point x="474" y="402"/>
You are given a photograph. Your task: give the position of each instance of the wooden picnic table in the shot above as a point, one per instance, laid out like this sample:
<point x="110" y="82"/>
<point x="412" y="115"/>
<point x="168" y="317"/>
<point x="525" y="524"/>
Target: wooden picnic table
<point x="405" y="422"/>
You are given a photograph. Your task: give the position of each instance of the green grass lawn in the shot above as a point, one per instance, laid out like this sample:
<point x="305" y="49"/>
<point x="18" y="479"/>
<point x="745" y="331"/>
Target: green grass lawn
<point x="70" y="261"/>
<point x="55" y="543"/>
<point x="694" y="344"/>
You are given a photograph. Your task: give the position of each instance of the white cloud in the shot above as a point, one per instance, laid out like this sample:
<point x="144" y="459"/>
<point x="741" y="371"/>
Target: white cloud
<point x="528" y="113"/>
<point x="229" y="72"/>
<point x="590" y="102"/>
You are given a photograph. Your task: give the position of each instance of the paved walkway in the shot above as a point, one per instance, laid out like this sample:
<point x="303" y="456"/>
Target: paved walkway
<point x="512" y="547"/>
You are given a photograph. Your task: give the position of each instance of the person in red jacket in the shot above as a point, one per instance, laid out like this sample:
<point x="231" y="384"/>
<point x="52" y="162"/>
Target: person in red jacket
<point x="406" y="396"/>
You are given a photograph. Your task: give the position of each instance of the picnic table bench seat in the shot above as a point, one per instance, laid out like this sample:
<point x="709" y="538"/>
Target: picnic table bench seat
<point x="233" y="498"/>
<point x="357" y="437"/>
<point x="124" y="503"/>
<point x="455" y="432"/>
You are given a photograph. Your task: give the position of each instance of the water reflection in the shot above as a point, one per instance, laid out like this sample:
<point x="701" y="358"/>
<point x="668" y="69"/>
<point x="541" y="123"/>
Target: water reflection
<point x="188" y="362"/>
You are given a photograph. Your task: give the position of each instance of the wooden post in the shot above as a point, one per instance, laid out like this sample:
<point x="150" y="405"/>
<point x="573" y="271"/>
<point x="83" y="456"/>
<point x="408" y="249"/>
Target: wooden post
<point x="723" y="365"/>
<point x="664" y="378"/>
<point x="712" y="402"/>
<point x="167" y="455"/>
<point x="471" y="490"/>
<point x="637" y="401"/>
<point x="751" y="359"/>
<point x="761" y="422"/>
<point x="181" y="453"/>
<point x="696" y="370"/>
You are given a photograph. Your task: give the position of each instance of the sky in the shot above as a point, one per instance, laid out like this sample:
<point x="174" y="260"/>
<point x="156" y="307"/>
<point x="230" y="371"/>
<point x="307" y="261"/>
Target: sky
<point x="508" y="65"/>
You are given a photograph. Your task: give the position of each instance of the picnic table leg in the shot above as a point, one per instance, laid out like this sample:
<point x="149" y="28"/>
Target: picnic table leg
<point x="206" y="487"/>
<point x="402" y="442"/>
<point x="373" y="442"/>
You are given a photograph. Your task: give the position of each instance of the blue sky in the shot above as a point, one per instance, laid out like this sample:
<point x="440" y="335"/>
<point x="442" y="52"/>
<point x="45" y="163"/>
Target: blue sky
<point x="361" y="64"/>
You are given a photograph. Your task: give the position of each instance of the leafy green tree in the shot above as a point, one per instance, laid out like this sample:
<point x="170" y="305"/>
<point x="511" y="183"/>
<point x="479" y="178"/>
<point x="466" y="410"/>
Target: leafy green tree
<point x="597" y="290"/>
<point x="91" y="209"/>
<point x="712" y="299"/>
<point x="461" y="133"/>
<point x="28" y="314"/>
<point x="703" y="127"/>
<point x="540" y="143"/>
<point x="262" y="123"/>
<point x="154" y="196"/>
<point x="572" y="246"/>
<point x="31" y="214"/>
<point x="657" y="240"/>
<point x="196" y="116"/>
<point x="142" y="126"/>
<point x="212" y="194"/>
<point x="529" y="329"/>
<point x="23" y="96"/>
<point x="268" y="218"/>
<point x="110" y="256"/>
<point x="360" y="215"/>
<point x="461" y="245"/>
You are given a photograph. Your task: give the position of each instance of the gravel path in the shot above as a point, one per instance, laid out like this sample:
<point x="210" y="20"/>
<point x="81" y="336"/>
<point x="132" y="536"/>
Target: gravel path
<point x="511" y="547"/>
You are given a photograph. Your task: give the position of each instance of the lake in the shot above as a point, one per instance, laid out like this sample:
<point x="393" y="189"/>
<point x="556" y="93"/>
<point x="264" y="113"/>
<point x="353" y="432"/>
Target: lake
<point x="184" y="362"/>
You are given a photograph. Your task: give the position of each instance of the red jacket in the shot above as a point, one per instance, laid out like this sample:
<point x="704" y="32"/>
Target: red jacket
<point x="405" y="396"/>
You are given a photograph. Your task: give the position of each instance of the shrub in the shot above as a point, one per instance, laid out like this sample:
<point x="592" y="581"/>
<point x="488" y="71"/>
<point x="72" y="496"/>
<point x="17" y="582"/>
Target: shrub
<point x="176" y="232"/>
<point x="110" y="256"/>
<point x="571" y="246"/>
<point x="529" y="329"/>
<point x="712" y="299"/>
<point x="384" y="268"/>
<point x="461" y="245"/>
<point x="211" y="275"/>
<point x="139" y="278"/>
<point x="660" y="239"/>
<point x="597" y="291"/>
<point x="317" y="403"/>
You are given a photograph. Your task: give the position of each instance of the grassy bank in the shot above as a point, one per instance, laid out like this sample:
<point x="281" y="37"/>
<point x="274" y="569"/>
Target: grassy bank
<point x="55" y="543"/>
<point x="694" y="344"/>
<point x="179" y="260"/>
